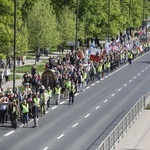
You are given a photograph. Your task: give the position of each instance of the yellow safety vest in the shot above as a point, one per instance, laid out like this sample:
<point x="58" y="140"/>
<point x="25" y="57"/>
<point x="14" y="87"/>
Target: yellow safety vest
<point x="57" y="91"/>
<point x="25" y="108"/>
<point x="36" y="101"/>
<point x="99" y="68"/>
<point x="49" y="93"/>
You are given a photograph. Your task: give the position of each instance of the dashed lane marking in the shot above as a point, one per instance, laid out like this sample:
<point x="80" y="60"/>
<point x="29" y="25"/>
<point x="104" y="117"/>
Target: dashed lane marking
<point x="60" y="136"/>
<point x="146" y="68"/>
<point x="54" y="107"/>
<point x="87" y="115"/>
<point x="62" y="102"/>
<point x="125" y="85"/>
<point x="93" y="84"/>
<point x="97" y="81"/>
<point x="9" y="133"/>
<point x="113" y="95"/>
<point x="139" y="74"/>
<point x="97" y="107"/>
<point x="76" y="94"/>
<point x="75" y="125"/>
<point x="142" y="70"/>
<point x="130" y="81"/>
<point x="102" y="79"/>
<point x="119" y="89"/>
<point x="105" y="100"/>
<point x="87" y="87"/>
<point x="106" y="76"/>
<point x="45" y="148"/>
<point x="135" y="77"/>
<point x="109" y="74"/>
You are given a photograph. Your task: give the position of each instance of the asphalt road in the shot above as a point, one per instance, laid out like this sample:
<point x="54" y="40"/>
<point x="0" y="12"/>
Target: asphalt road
<point x="75" y="127"/>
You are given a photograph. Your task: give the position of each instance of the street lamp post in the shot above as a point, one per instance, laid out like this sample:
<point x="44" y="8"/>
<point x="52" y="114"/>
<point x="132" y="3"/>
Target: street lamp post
<point x="77" y="14"/>
<point x="108" y="20"/>
<point x="15" y="21"/>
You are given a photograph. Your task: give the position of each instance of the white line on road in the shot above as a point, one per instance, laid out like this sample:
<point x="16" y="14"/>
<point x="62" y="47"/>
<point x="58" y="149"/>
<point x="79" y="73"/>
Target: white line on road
<point x="106" y="76"/>
<point x="149" y="65"/>
<point x="97" y="81"/>
<point x="60" y="136"/>
<point x="97" y="107"/>
<point x="54" y="107"/>
<point x="113" y="95"/>
<point x="62" y="102"/>
<point x="76" y="94"/>
<point x="142" y="70"/>
<point x="110" y="74"/>
<point x="102" y="79"/>
<point x="139" y="73"/>
<point x="7" y="134"/>
<point x="86" y="88"/>
<point x="105" y="100"/>
<point x="135" y="77"/>
<point x="93" y="84"/>
<point x="75" y="125"/>
<point x="146" y="68"/>
<point x="86" y="115"/>
<point x="130" y="81"/>
<point x="125" y="85"/>
<point x="119" y="89"/>
<point x="45" y="148"/>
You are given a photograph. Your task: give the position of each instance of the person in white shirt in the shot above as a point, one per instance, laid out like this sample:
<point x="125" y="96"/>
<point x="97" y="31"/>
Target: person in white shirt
<point x="7" y="74"/>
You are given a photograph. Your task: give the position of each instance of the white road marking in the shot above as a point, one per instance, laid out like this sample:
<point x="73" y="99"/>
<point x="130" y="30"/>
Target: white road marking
<point x="46" y="112"/>
<point x="135" y="77"/>
<point x="125" y="85"/>
<point x="7" y="134"/>
<point x="105" y="100"/>
<point x="62" y="102"/>
<point x="119" y="89"/>
<point x="97" y="107"/>
<point x="149" y="65"/>
<point x="97" y="81"/>
<point x="76" y="94"/>
<point x="110" y="74"/>
<point x="60" y="136"/>
<point x="106" y="76"/>
<point x="87" y="87"/>
<point x="142" y="70"/>
<point x="146" y="68"/>
<point x="93" y="84"/>
<point x="54" y="107"/>
<point x="75" y="125"/>
<point x="139" y="73"/>
<point x="86" y="115"/>
<point x="102" y="79"/>
<point x="113" y="95"/>
<point x="130" y="81"/>
<point x="45" y="148"/>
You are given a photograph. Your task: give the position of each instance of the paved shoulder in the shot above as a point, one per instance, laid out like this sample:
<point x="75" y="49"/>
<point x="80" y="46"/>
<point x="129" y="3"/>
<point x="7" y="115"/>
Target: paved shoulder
<point x="138" y="135"/>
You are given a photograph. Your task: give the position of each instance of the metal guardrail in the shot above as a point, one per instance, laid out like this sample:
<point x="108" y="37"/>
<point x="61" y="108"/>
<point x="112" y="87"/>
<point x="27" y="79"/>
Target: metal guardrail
<point x="124" y="124"/>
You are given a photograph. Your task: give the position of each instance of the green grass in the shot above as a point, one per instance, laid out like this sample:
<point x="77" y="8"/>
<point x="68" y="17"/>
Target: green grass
<point x="16" y="77"/>
<point x="23" y="69"/>
<point x="21" y="88"/>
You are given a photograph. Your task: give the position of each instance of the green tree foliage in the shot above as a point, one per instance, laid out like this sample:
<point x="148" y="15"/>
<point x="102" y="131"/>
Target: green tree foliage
<point x="42" y="26"/>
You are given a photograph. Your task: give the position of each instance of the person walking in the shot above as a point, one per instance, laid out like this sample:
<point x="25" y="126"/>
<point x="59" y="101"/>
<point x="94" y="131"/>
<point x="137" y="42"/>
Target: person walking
<point x="71" y="94"/>
<point x="57" y="93"/>
<point x="49" y="92"/>
<point x="25" y="111"/>
<point x="7" y="74"/>
<point x="35" y="114"/>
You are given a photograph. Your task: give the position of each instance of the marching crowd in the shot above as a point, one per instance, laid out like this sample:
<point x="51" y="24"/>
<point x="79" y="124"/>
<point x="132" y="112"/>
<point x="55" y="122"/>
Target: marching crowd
<point x="72" y="74"/>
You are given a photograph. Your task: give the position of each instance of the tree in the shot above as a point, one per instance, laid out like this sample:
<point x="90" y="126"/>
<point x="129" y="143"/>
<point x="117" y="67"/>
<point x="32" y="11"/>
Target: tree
<point x="41" y="24"/>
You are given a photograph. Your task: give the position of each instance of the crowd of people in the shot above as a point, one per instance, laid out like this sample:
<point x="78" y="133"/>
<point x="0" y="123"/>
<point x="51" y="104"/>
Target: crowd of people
<point x="73" y="74"/>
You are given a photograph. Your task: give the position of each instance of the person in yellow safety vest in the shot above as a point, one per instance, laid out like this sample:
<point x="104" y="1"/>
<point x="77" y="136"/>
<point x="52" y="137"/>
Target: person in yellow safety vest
<point x="107" y="66"/>
<point x="71" y="94"/>
<point x="36" y="101"/>
<point x="57" y="93"/>
<point x="49" y="92"/>
<point x="130" y="57"/>
<point x="67" y="84"/>
<point x="85" y="78"/>
<point x="43" y="102"/>
<point x="15" y="114"/>
<point x="25" y="111"/>
<point x="99" y="71"/>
